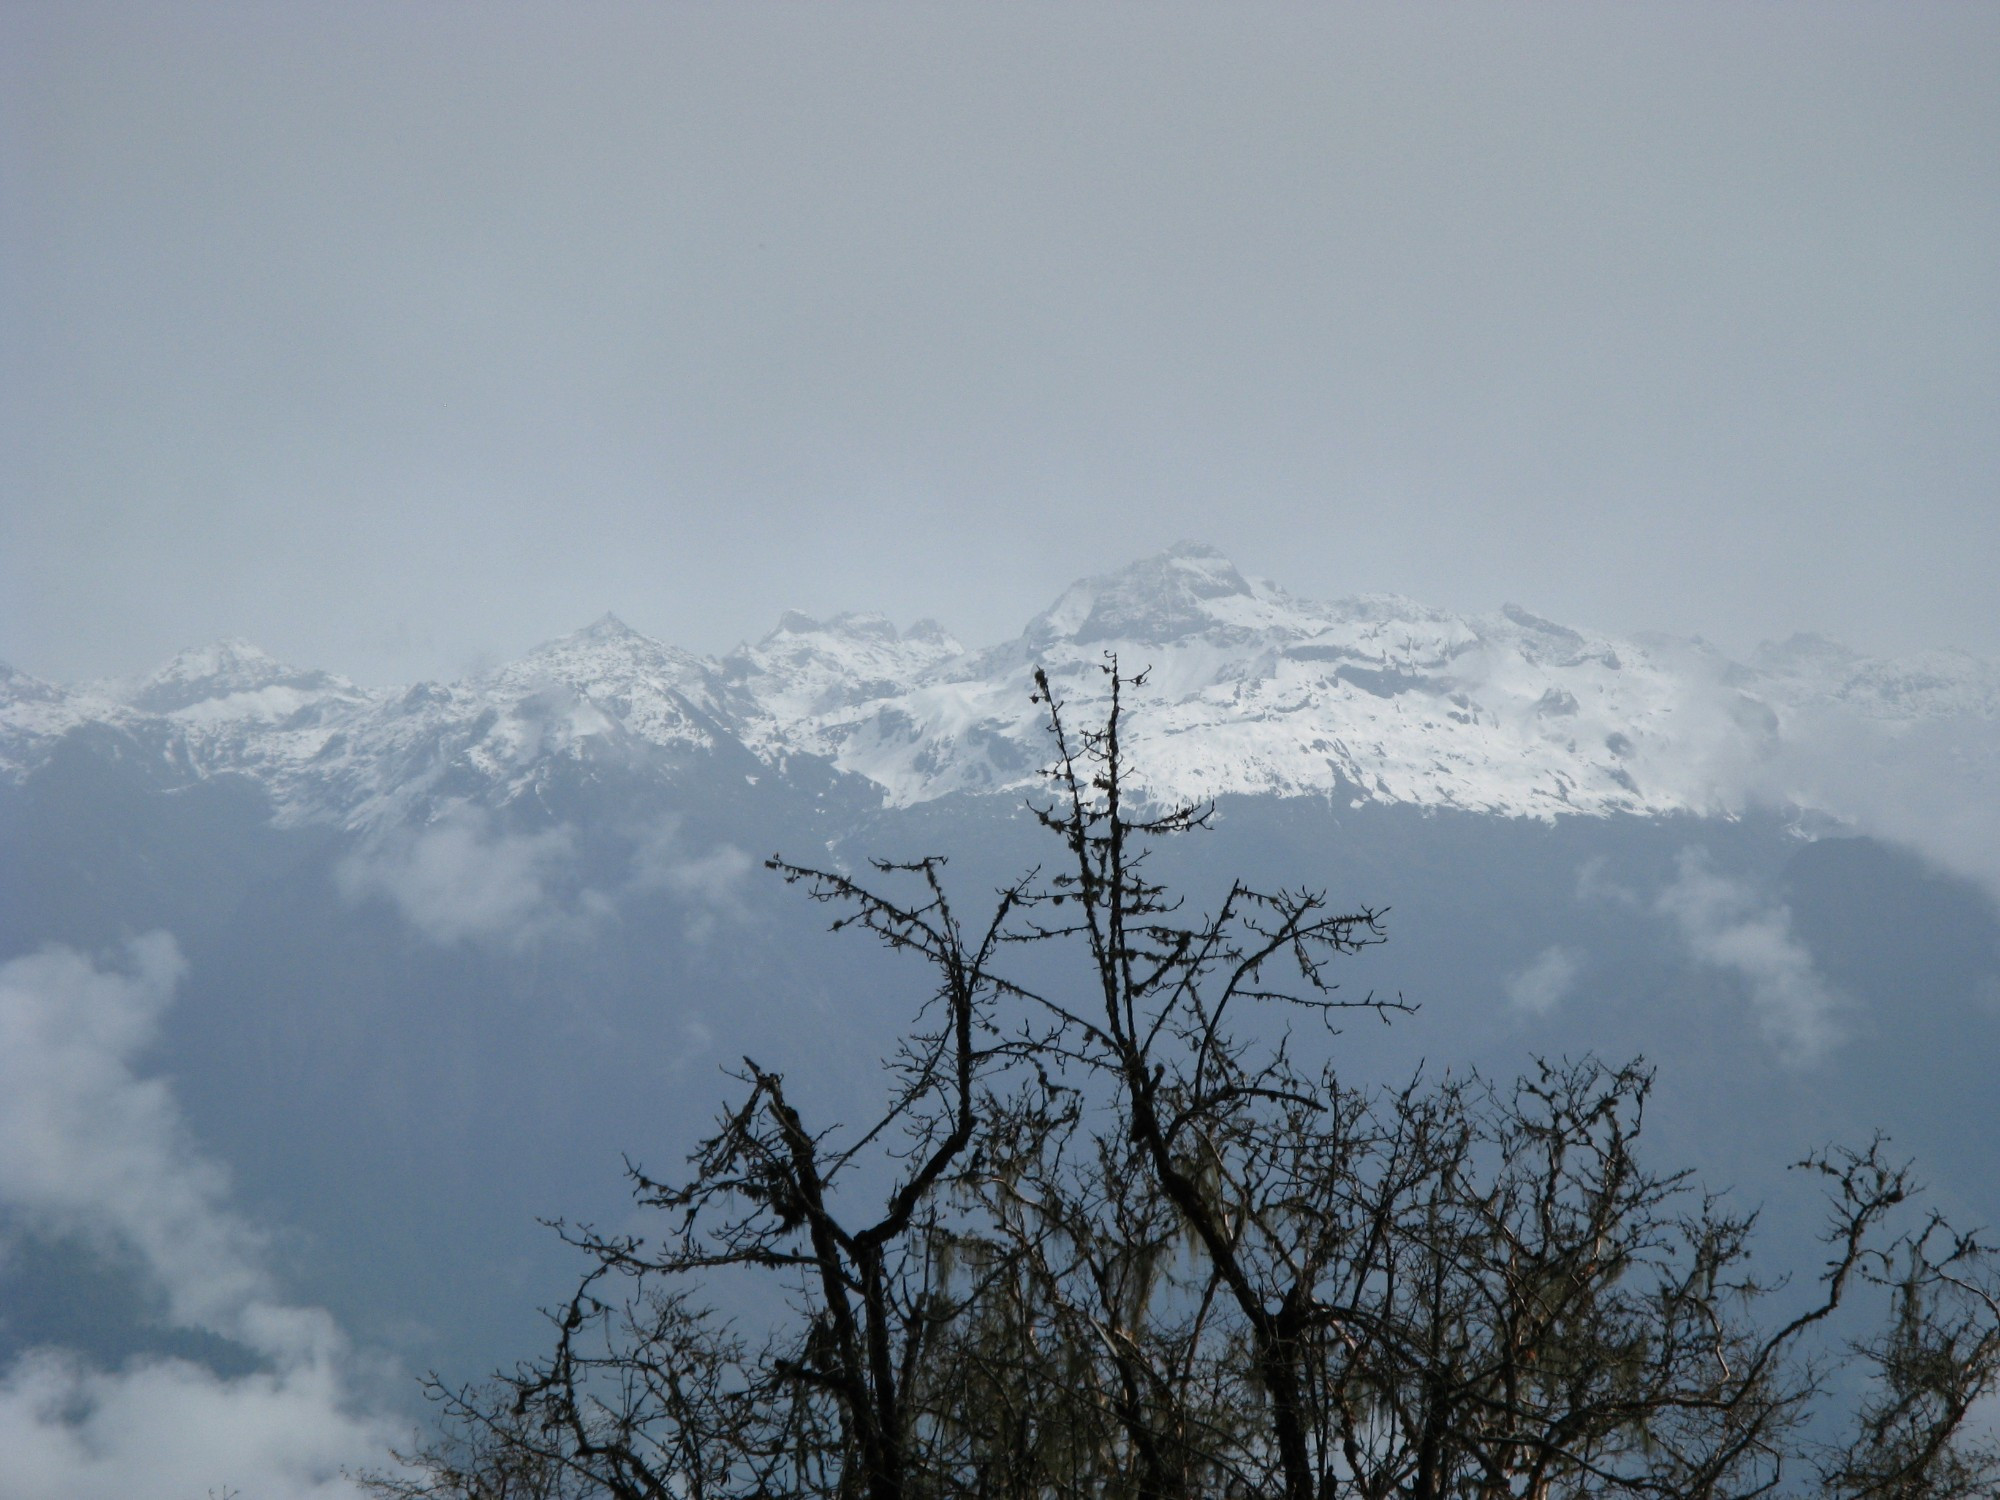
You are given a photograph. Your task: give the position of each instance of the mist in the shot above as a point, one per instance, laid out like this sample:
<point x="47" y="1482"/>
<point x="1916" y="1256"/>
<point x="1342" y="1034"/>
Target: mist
<point x="397" y="338"/>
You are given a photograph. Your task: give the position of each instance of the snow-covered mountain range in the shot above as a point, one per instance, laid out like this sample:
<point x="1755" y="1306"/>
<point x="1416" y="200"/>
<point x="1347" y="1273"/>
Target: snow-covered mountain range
<point x="1251" y="691"/>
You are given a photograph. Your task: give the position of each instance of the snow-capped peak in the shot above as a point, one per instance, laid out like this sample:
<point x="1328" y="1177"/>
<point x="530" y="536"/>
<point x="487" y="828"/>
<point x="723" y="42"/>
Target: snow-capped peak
<point x="659" y="692"/>
<point x="1189" y="589"/>
<point x="20" y="687"/>
<point x="806" y="670"/>
<point x="220" y="670"/>
<point x="1250" y="690"/>
<point x="606" y="648"/>
<point x="229" y="680"/>
<point x="606" y="627"/>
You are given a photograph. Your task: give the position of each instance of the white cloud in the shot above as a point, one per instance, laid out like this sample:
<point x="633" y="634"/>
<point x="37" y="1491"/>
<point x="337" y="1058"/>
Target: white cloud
<point x="462" y="878"/>
<point x="1727" y="926"/>
<point x="1931" y="785"/>
<point x="711" y="877"/>
<point x="89" y="1148"/>
<point x="709" y="882"/>
<point x="459" y="877"/>
<point x="171" y="1430"/>
<point x="1544" y="984"/>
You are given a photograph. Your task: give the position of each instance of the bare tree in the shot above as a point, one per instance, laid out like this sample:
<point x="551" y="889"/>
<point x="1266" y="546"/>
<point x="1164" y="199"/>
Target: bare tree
<point x="649" y="1395"/>
<point x="1936" y="1360"/>
<point x="1131" y="1246"/>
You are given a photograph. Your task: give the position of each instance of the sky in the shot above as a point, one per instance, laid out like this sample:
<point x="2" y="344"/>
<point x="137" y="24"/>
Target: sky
<point x="397" y="338"/>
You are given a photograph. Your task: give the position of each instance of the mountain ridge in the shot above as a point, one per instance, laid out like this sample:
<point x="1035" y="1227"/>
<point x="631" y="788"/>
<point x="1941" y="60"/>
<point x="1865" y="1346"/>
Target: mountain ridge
<point x="1251" y="691"/>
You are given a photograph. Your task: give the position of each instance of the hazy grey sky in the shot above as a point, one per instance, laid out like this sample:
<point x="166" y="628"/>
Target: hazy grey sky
<point x="389" y="335"/>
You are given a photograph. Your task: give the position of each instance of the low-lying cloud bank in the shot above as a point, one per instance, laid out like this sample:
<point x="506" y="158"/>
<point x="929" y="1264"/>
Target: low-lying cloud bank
<point x="462" y="877"/>
<point x="1928" y="781"/>
<point x="1931" y="786"/>
<point x="1727" y="925"/>
<point x="92" y="1150"/>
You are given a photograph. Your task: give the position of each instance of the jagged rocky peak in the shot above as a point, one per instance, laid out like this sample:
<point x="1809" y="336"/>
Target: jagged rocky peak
<point x="606" y="636"/>
<point x="631" y="676"/>
<point x="207" y="674"/>
<point x="605" y="643"/>
<point x="1186" y="590"/>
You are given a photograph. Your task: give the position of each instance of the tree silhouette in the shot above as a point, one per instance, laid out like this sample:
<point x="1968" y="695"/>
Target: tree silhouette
<point x="1107" y="1239"/>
